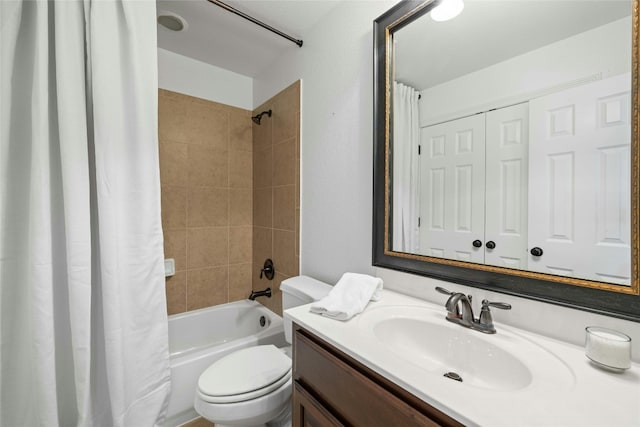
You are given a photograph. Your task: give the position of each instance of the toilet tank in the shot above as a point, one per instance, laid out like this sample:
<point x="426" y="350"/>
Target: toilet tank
<point x="297" y="291"/>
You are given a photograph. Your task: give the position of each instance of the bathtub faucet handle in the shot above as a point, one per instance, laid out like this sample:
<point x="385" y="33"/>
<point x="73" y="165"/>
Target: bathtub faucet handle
<point x="256" y="294"/>
<point x="268" y="270"/>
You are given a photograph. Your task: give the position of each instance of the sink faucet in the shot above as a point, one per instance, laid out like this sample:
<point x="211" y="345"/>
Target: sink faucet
<point x="459" y="311"/>
<point x="459" y="308"/>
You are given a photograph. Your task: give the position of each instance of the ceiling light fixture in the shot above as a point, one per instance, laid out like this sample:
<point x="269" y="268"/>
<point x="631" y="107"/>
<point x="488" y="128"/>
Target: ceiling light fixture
<point x="171" y="21"/>
<point x="446" y="10"/>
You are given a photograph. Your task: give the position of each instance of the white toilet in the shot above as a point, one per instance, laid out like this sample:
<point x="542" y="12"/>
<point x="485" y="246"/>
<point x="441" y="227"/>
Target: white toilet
<point x="252" y="386"/>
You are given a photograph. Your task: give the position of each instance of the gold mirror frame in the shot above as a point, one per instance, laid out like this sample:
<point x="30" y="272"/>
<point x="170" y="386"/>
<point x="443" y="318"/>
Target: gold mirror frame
<point x="606" y="298"/>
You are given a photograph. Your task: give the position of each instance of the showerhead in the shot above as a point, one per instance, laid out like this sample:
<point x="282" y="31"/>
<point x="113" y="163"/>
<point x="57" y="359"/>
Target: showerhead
<point x="256" y="119"/>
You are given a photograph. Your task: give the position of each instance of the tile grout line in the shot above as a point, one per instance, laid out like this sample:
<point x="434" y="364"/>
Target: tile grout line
<point x="228" y="204"/>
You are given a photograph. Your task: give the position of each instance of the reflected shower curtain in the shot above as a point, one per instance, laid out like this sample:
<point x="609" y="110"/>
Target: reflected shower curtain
<point x="83" y="323"/>
<point x="406" y="172"/>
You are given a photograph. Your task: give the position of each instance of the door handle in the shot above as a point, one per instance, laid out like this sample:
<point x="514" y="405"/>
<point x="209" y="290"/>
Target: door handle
<point x="477" y="243"/>
<point x="490" y="244"/>
<point x="536" y="251"/>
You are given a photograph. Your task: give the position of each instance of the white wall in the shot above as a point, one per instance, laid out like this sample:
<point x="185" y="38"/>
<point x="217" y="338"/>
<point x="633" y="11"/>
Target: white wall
<point x="605" y="50"/>
<point x="336" y="68"/>
<point x="178" y="73"/>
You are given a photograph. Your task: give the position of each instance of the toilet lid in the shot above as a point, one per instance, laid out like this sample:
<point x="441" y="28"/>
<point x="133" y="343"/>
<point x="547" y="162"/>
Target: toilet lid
<point x="245" y="371"/>
<point x="282" y="385"/>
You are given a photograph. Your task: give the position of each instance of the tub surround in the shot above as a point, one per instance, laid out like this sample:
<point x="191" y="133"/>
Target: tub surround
<point x="206" y="176"/>
<point x="585" y="396"/>
<point x="230" y="197"/>
<point x="276" y="192"/>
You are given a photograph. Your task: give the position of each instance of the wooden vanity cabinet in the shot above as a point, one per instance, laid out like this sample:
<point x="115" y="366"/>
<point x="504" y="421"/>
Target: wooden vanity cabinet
<point x="332" y="389"/>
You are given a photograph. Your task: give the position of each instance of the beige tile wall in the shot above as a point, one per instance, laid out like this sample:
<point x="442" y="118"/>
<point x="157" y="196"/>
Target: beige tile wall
<point x="206" y="172"/>
<point x="276" y="189"/>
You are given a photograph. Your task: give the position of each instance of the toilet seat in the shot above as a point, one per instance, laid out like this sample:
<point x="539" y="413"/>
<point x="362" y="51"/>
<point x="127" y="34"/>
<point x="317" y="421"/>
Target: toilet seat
<point x="245" y="375"/>
<point x="242" y="397"/>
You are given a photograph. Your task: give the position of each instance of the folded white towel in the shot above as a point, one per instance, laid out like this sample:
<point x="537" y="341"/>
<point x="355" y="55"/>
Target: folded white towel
<point x="349" y="296"/>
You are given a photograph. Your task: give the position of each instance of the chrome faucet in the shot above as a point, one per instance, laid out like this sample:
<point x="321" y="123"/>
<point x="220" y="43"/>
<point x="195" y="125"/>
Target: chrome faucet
<point x="459" y="311"/>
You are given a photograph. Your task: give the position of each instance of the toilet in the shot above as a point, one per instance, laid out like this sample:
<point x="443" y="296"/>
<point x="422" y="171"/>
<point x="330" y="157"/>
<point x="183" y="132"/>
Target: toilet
<point x="251" y="387"/>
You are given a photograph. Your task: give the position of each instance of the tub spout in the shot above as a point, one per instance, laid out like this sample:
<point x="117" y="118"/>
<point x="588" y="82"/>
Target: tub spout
<point x="256" y="294"/>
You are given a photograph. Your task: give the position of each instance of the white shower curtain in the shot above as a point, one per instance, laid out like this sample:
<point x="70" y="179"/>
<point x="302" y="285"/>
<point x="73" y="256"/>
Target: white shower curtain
<point x="83" y="323"/>
<point x="406" y="173"/>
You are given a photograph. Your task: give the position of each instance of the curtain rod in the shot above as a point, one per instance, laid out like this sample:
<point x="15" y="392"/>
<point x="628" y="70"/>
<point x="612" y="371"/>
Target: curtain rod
<point x="255" y="21"/>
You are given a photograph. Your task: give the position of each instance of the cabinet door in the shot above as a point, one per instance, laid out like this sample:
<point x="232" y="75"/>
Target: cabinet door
<point x="507" y="175"/>
<point x="452" y="189"/>
<point x="308" y="412"/>
<point x="579" y="210"/>
<point x="352" y="392"/>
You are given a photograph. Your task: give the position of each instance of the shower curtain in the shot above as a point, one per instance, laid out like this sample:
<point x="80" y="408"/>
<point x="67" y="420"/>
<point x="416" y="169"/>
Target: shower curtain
<point x="406" y="172"/>
<point x="83" y="323"/>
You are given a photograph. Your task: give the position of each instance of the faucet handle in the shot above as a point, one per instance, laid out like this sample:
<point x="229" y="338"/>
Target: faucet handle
<point x="444" y="291"/>
<point x="501" y="305"/>
<point x="268" y="269"/>
<point x="485" y="321"/>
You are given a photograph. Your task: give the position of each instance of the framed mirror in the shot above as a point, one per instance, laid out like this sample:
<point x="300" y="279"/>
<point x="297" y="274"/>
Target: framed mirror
<point x="506" y="148"/>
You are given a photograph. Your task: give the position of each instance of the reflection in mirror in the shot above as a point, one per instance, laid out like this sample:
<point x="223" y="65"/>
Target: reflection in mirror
<point x="511" y="136"/>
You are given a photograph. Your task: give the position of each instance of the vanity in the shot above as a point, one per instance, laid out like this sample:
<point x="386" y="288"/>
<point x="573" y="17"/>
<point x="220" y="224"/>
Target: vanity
<point x="399" y="363"/>
<point x="350" y="390"/>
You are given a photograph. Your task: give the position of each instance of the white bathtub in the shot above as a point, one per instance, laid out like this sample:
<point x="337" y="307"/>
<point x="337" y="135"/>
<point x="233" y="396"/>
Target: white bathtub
<point x="199" y="338"/>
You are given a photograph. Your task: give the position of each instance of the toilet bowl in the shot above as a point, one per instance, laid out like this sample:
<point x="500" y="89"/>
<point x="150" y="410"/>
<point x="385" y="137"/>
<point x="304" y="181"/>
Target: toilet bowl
<point x="249" y="387"/>
<point x="252" y="386"/>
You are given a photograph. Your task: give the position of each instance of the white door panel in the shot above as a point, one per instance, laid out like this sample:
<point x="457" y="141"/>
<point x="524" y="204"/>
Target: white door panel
<point x="579" y="194"/>
<point x="506" y="183"/>
<point x="452" y="189"/>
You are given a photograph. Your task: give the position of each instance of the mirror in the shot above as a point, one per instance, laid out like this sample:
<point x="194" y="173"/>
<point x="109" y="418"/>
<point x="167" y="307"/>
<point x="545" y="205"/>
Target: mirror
<point x="506" y="155"/>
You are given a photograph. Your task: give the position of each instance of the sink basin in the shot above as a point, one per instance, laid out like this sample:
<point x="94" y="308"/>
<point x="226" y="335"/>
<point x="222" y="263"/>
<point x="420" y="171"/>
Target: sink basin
<point x="502" y="362"/>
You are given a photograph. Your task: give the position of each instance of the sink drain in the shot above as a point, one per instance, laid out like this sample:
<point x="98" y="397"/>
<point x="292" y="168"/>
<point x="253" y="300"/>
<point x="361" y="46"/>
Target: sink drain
<point x="453" y="376"/>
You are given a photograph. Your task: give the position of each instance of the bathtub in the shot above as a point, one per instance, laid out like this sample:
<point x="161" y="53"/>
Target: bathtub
<point x="199" y="338"/>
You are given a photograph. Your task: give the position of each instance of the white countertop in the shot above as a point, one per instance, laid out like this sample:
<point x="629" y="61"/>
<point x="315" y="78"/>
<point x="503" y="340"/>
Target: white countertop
<point x="588" y="396"/>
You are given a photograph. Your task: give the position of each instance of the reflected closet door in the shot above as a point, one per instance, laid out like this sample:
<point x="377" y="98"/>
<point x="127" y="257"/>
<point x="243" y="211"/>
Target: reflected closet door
<point x="506" y="184"/>
<point x="452" y="189"/>
<point x="579" y="210"/>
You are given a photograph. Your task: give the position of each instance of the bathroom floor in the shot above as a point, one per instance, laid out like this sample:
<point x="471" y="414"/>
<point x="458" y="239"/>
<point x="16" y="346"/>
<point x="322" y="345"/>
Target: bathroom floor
<point x="198" y="422"/>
